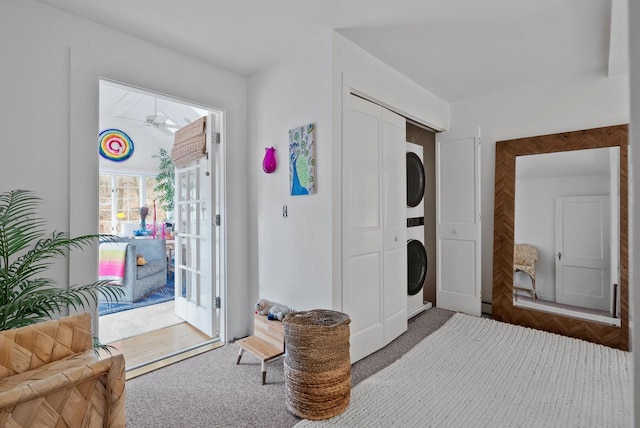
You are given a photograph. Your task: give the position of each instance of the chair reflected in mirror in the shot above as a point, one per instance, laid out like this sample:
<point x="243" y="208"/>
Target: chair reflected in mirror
<point x="525" y="257"/>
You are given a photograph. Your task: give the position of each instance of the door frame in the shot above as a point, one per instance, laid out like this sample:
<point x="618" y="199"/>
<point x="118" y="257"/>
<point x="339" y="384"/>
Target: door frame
<point x="83" y="176"/>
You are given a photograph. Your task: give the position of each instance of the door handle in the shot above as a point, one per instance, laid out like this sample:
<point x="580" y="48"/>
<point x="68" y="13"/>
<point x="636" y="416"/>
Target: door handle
<point x="559" y="255"/>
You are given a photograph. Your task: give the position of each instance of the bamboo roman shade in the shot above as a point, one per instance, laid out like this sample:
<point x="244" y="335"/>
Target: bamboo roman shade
<point x="190" y="143"/>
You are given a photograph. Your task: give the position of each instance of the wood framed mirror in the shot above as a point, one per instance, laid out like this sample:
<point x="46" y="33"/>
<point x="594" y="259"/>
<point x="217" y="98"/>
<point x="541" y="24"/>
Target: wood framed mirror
<point x="536" y="312"/>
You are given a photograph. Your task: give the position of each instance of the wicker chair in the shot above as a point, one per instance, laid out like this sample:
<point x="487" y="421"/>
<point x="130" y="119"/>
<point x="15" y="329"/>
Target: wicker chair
<point x="51" y="377"/>
<point x="525" y="257"/>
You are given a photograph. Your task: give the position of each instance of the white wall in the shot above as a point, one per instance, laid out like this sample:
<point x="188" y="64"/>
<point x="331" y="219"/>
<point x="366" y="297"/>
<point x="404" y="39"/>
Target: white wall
<point x="298" y="258"/>
<point x="357" y="70"/>
<point x="49" y="111"/>
<point x="291" y="256"/>
<point x="588" y="102"/>
<point x="535" y="217"/>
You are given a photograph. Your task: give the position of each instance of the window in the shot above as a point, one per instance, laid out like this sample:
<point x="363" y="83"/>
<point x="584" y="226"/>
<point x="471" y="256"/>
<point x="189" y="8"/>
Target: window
<point x="120" y="197"/>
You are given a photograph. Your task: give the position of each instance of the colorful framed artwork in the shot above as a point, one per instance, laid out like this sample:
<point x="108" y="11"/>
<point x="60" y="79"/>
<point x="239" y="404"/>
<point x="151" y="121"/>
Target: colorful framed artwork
<point x="302" y="160"/>
<point x="115" y="145"/>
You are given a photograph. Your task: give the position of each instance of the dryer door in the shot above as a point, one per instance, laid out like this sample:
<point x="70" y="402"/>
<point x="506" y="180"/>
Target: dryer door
<point x="415" y="179"/>
<point x="416" y="266"/>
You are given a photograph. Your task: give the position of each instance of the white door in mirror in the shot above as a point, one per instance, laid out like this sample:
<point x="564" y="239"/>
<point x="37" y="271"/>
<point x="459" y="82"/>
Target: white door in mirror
<point x="582" y="259"/>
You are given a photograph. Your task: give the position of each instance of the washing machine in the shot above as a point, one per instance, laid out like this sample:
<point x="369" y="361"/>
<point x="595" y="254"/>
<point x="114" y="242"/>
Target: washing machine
<point x="417" y="263"/>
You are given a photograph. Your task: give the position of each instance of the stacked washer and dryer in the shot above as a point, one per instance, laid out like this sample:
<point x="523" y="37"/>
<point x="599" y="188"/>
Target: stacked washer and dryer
<point x="417" y="263"/>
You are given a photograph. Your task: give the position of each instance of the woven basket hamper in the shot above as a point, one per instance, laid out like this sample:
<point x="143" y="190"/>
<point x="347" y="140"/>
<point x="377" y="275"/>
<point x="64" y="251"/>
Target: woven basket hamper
<point x="317" y="364"/>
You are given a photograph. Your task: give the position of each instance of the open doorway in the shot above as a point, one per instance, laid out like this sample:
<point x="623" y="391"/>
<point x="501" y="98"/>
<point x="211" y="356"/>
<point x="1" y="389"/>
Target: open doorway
<point x="136" y="203"/>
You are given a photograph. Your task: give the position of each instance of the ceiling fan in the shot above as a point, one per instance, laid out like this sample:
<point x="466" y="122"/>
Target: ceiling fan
<point x="157" y="120"/>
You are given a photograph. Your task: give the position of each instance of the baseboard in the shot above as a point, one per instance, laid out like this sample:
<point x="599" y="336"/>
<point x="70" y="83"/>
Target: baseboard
<point x="424" y="307"/>
<point x="486" y="308"/>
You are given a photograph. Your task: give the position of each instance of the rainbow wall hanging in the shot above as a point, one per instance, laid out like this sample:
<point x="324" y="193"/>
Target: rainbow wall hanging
<point x="115" y="145"/>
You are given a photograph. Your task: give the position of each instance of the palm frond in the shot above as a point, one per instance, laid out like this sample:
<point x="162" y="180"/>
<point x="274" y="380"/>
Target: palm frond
<point x="37" y="301"/>
<point x="27" y="251"/>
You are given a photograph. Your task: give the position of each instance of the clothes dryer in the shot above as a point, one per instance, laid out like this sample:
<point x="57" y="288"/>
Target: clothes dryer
<point x="417" y="263"/>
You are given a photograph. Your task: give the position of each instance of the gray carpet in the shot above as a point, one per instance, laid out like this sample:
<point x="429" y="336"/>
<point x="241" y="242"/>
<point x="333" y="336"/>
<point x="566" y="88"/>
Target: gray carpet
<point x="210" y="390"/>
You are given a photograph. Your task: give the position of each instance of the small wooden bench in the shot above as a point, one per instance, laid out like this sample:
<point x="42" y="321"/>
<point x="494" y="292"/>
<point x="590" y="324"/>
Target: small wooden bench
<point x="267" y="342"/>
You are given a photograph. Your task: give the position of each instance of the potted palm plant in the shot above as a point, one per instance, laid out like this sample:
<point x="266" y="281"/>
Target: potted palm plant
<point x="165" y="181"/>
<point x="26" y="253"/>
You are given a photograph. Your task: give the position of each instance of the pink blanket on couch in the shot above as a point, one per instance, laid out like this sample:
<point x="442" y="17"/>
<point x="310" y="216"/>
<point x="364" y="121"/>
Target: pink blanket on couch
<point x="111" y="261"/>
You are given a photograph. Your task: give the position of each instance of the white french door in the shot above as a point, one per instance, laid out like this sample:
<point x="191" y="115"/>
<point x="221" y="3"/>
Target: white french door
<point x="197" y="240"/>
<point x="458" y="257"/>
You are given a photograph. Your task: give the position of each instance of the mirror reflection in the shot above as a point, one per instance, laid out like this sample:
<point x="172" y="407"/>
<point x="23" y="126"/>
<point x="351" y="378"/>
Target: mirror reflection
<point x="566" y="231"/>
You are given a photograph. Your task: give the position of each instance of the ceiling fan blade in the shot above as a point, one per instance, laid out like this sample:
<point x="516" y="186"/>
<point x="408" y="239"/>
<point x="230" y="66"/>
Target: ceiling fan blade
<point x="130" y="118"/>
<point x="159" y="119"/>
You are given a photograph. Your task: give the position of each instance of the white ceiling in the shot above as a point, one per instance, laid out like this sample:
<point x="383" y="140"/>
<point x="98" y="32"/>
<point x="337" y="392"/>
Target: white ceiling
<point x="457" y="49"/>
<point x="133" y="107"/>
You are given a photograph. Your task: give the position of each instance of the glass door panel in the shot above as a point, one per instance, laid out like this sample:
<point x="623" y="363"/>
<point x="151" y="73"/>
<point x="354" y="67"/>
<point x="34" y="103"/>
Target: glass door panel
<point x="195" y="235"/>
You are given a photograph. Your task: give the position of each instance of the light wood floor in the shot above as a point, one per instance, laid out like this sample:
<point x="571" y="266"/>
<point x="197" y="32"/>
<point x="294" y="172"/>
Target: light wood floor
<point x="158" y="348"/>
<point x="121" y="325"/>
<point x="152" y="337"/>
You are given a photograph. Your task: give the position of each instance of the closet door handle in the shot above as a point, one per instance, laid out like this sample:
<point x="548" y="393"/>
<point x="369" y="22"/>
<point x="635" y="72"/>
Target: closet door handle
<point x="559" y="255"/>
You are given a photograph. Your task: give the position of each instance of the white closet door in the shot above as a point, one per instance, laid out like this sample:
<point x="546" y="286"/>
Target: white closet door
<point x="394" y="200"/>
<point x="374" y="245"/>
<point x="458" y="258"/>
<point x="362" y="226"/>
